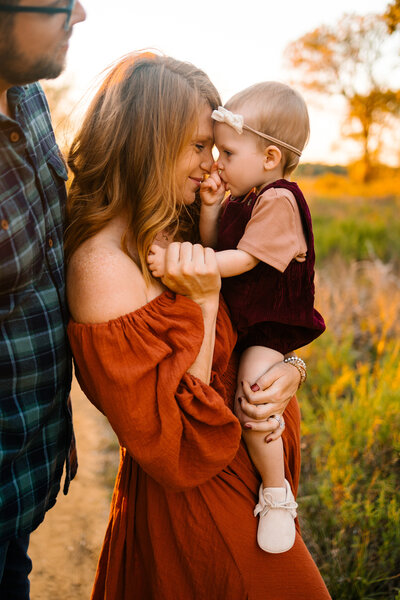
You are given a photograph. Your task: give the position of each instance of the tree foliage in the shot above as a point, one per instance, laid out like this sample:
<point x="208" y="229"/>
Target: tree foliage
<point x="348" y="59"/>
<point x="392" y="15"/>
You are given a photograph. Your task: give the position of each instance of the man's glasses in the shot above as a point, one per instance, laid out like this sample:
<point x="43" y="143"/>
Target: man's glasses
<point x="48" y="10"/>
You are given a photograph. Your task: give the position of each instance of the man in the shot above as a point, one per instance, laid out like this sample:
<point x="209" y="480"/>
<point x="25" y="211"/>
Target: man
<point x="35" y="365"/>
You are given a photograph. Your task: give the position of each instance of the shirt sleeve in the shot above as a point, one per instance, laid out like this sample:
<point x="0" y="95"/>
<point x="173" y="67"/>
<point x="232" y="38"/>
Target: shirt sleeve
<point x="134" y="369"/>
<point x="274" y="233"/>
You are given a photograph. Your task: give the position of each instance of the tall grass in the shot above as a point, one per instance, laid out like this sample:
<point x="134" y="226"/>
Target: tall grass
<point x="350" y="492"/>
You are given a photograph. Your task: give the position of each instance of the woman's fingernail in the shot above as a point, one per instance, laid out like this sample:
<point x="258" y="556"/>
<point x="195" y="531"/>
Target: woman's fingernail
<point x="255" y="387"/>
<point x="268" y="440"/>
<point x="247" y="426"/>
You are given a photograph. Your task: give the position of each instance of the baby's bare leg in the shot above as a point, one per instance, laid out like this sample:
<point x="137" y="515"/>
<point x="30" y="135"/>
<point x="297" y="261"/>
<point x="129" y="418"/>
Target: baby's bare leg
<point x="267" y="458"/>
<point x="156" y="260"/>
<point x="276" y="507"/>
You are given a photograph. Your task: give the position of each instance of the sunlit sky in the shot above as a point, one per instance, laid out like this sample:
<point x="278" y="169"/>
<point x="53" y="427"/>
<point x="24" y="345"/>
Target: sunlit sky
<point x="237" y="43"/>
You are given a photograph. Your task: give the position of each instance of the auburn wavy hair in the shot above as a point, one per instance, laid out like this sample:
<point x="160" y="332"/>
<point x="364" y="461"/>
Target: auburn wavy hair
<point x="125" y="154"/>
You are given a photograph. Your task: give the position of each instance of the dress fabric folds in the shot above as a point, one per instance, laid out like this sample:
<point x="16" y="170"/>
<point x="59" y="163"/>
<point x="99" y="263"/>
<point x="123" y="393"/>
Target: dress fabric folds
<point x="181" y="523"/>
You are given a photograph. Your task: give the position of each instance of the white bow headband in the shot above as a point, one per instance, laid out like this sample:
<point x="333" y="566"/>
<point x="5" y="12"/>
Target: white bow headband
<point x="222" y="115"/>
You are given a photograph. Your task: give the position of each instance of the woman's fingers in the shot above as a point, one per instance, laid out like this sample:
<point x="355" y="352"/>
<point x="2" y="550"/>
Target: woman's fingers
<point x="259" y="412"/>
<point x="172" y="255"/>
<point x="261" y="395"/>
<point x="281" y="381"/>
<point x="192" y="271"/>
<point x="271" y="437"/>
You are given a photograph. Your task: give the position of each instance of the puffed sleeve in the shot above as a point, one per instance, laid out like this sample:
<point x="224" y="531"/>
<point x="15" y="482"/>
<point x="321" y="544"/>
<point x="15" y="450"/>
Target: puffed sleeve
<point x="274" y="233"/>
<point x="134" y="369"/>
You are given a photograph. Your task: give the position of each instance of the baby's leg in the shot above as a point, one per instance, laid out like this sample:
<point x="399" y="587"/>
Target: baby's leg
<point x="276" y="505"/>
<point x="156" y="260"/>
<point x="267" y="458"/>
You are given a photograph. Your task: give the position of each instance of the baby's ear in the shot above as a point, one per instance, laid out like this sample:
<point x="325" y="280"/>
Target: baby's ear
<point x="272" y="157"/>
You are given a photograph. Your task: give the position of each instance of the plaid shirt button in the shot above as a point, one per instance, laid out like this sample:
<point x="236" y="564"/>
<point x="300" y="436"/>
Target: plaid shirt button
<point x="4" y="224"/>
<point x="14" y="137"/>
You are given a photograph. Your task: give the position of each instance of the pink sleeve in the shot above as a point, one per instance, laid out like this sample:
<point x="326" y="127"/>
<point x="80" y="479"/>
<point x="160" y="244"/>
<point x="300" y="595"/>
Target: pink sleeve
<point x="274" y="234"/>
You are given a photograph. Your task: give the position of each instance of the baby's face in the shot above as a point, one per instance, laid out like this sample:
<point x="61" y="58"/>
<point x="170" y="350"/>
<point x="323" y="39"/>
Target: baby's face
<point x="241" y="160"/>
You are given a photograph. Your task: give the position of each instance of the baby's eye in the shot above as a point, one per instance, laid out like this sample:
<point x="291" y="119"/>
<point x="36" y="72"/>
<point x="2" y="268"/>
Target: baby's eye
<point x="227" y="153"/>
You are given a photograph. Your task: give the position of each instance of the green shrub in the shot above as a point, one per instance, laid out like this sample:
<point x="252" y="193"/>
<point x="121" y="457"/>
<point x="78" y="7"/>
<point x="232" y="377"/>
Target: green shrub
<point x="350" y="486"/>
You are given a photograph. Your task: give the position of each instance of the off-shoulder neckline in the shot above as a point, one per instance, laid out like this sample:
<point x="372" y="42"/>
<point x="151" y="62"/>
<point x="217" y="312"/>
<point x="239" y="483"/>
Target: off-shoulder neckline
<point x="165" y="295"/>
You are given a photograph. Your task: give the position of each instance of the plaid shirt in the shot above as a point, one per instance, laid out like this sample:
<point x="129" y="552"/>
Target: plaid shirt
<point x="35" y="362"/>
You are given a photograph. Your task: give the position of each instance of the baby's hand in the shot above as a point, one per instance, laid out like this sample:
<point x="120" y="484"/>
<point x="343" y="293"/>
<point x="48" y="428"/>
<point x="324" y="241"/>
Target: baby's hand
<point x="212" y="190"/>
<point x="156" y="260"/>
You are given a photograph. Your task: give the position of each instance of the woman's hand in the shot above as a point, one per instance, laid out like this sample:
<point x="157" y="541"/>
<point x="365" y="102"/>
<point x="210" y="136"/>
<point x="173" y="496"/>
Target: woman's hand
<point x="192" y="271"/>
<point x="268" y="396"/>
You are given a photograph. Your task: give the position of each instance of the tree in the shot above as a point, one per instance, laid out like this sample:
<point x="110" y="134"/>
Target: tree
<point x="392" y="15"/>
<point x="348" y="60"/>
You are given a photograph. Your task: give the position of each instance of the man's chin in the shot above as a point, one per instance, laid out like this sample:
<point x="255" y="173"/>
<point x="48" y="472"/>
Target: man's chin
<point x="38" y="72"/>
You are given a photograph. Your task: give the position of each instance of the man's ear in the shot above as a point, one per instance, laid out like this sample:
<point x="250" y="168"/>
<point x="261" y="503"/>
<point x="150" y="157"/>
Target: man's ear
<point x="272" y="157"/>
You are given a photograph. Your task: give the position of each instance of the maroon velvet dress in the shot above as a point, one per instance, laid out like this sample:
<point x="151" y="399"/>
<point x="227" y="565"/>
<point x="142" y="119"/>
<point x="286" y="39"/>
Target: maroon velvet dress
<point x="268" y="307"/>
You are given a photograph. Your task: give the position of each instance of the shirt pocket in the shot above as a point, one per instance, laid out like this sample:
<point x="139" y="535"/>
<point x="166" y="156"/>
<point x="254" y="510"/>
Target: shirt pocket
<point x="17" y="244"/>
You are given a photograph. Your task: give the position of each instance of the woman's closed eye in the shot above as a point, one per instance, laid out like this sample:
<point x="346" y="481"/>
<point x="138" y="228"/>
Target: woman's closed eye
<point x="199" y="147"/>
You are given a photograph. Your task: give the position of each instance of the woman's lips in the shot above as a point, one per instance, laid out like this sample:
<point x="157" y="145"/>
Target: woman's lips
<point x="197" y="180"/>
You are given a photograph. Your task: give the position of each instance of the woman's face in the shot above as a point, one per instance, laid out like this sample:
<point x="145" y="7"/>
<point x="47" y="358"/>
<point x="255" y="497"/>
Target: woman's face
<point x="196" y="159"/>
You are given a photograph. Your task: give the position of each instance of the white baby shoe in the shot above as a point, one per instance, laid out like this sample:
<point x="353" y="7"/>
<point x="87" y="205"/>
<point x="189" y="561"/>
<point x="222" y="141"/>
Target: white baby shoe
<point x="277" y="510"/>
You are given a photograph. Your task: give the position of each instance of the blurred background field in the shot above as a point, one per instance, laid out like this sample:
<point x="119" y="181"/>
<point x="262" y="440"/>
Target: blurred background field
<point x="350" y="485"/>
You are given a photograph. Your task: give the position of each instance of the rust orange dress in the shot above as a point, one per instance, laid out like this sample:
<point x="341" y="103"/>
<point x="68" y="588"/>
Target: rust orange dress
<point x="181" y="524"/>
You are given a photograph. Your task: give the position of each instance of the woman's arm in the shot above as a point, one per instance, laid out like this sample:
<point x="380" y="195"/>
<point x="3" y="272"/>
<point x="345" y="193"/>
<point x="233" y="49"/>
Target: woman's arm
<point x="148" y="371"/>
<point x="192" y="271"/>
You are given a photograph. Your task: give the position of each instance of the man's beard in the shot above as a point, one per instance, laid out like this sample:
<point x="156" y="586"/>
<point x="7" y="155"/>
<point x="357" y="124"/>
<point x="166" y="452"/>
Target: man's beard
<point x="15" y="70"/>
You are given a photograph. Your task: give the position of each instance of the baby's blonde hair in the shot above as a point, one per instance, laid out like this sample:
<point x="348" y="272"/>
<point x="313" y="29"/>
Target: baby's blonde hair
<point x="280" y="111"/>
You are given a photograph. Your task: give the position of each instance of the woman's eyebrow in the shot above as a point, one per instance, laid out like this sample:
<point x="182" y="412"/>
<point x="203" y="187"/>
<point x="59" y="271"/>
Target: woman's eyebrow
<point x="205" y="138"/>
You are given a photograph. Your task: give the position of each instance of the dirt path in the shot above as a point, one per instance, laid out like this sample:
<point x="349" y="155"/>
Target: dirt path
<point x="65" y="548"/>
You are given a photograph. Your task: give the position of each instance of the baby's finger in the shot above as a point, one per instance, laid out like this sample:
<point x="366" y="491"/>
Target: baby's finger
<point x="209" y="184"/>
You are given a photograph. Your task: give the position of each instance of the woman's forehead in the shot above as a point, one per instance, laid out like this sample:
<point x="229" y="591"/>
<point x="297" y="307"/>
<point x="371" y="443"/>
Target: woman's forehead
<point x="205" y="129"/>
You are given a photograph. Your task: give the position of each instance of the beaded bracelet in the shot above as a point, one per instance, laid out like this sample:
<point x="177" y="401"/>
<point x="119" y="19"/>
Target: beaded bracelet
<point x="300" y="365"/>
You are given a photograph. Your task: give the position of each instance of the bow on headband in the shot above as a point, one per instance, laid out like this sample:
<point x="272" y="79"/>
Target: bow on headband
<point x="222" y="115"/>
<point x="226" y="116"/>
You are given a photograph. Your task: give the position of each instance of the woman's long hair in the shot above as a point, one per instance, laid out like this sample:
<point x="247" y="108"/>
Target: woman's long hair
<point x="124" y="157"/>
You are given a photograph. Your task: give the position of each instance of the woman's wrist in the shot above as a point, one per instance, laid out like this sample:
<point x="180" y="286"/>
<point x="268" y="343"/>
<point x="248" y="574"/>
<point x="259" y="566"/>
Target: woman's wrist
<point x="209" y="306"/>
<point x="299" y="364"/>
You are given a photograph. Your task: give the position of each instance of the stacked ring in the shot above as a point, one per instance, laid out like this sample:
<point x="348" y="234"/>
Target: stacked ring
<point x="280" y="420"/>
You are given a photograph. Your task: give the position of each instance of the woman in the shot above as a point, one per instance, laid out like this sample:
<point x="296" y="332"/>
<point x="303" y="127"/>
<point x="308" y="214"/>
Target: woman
<point x="158" y="362"/>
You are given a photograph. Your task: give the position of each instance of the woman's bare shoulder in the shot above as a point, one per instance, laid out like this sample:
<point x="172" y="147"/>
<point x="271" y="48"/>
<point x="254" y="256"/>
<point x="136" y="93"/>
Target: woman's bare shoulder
<point x="103" y="282"/>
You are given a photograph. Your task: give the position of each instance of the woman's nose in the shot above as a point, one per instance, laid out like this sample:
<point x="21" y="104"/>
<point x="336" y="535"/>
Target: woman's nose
<point x="207" y="162"/>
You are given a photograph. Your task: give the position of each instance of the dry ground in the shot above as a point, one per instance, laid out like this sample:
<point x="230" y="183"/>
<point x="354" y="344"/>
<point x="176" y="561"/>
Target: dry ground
<point x="65" y="548"/>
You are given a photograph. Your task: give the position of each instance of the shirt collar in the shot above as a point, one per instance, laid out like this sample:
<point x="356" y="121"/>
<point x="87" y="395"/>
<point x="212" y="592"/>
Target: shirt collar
<point x="15" y="96"/>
